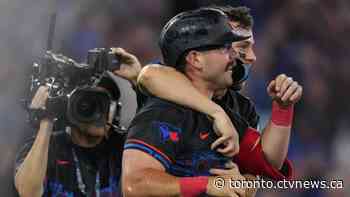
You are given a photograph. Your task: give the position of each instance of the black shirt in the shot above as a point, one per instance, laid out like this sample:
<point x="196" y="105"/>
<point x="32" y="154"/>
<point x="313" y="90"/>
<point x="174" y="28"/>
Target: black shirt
<point x="61" y="177"/>
<point x="240" y="109"/>
<point x="177" y="137"/>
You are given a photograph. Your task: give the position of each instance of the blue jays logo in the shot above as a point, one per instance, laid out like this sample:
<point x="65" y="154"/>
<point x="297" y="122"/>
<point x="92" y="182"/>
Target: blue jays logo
<point x="168" y="131"/>
<point x="198" y="163"/>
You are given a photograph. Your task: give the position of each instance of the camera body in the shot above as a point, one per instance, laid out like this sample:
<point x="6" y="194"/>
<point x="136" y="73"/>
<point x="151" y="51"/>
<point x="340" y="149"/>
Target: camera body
<point x="78" y="92"/>
<point x="103" y="59"/>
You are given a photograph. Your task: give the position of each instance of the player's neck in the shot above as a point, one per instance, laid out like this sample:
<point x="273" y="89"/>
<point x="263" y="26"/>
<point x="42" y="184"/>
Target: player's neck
<point x="85" y="140"/>
<point x="219" y="94"/>
<point x="202" y="87"/>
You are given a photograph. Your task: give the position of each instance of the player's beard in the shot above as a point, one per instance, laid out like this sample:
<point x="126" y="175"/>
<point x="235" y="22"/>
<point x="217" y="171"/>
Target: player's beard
<point x="227" y="76"/>
<point x="222" y="79"/>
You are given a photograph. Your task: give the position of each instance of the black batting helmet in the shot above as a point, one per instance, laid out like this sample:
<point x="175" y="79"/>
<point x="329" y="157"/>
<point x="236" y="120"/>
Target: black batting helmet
<point x="206" y="27"/>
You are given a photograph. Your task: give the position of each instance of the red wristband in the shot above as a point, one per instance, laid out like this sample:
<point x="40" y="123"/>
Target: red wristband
<point x="193" y="186"/>
<point x="282" y="116"/>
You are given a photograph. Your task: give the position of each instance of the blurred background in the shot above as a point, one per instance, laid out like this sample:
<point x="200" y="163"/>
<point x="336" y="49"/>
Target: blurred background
<point x="306" y="39"/>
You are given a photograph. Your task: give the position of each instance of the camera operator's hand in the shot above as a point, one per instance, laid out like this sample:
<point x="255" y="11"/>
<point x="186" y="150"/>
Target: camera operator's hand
<point x="40" y="98"/>
<point x="39" y="102"/>
<point x="130" y="66"/>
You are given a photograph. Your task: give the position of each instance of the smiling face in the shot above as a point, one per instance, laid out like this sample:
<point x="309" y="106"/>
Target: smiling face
<point x="217" y="66"/>
<point x="244" y="48"/>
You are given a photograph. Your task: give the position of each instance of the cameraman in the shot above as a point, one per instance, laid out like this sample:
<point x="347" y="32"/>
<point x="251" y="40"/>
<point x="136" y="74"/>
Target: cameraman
<point x="84" y="160"/>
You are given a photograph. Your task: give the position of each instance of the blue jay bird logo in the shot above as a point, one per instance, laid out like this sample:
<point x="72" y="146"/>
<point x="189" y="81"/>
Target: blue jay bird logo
<point x="168" y="131"/>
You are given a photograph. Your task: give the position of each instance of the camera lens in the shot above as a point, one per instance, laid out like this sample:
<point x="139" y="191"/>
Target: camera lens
<point x="87" y="106"/>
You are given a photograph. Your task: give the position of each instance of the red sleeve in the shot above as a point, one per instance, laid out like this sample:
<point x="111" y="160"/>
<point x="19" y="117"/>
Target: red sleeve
<point x="251" y="159"/>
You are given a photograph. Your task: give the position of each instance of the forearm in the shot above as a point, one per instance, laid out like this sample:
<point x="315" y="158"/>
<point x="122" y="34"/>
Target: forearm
<point x="149" y="178"/>
<point x="276" y="135"/>
<point x="275" y="142"/>
<point x="31" y="173"/>
<point x="169" y="84"/>
<point x="151" y="182"/>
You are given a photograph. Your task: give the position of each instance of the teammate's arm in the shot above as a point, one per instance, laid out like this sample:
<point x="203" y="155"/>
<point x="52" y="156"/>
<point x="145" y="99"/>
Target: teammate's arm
<point x="129" y="65"/>
<point x="285" y="92"/>
<point x="169" y="84"/>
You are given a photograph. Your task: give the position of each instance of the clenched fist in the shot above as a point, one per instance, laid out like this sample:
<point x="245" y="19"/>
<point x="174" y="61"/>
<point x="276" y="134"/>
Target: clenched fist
<point x="285" y="90"/>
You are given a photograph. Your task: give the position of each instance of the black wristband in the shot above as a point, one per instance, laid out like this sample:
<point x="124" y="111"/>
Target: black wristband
<point x="36" y="115"/>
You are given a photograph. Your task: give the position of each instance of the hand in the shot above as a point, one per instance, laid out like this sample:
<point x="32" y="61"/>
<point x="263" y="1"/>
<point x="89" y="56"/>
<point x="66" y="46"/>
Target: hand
<point x="224" y="128"/>
<point x="130" y="66"/>
<point x="40" y="98"/>
<point x="250" y="192"/>
<point x="39" y="102"/>
<point x="220" y="185"/>
<point x="285" y="90"/>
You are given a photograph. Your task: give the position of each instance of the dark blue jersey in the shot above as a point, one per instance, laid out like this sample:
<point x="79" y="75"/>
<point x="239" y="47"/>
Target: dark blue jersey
<point x="178" y="137"/>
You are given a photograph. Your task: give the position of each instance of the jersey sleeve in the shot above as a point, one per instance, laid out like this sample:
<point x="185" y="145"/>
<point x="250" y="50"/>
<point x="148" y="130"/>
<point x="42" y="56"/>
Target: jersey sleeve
<point x="157" y="132"/>
<point x="251" y="159"/>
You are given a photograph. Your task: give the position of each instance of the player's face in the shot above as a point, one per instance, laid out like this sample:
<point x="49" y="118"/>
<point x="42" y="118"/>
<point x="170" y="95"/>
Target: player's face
<point x="218" y="64"/>
<point x="245" y="47"/>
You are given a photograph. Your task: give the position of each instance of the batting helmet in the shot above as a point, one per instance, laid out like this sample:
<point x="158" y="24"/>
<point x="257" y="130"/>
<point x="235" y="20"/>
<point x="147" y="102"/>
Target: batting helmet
<point x="195" y="29"/>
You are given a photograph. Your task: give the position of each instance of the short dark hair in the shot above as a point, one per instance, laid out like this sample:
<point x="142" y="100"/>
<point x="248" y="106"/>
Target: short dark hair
<point x="239" y="14"/>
